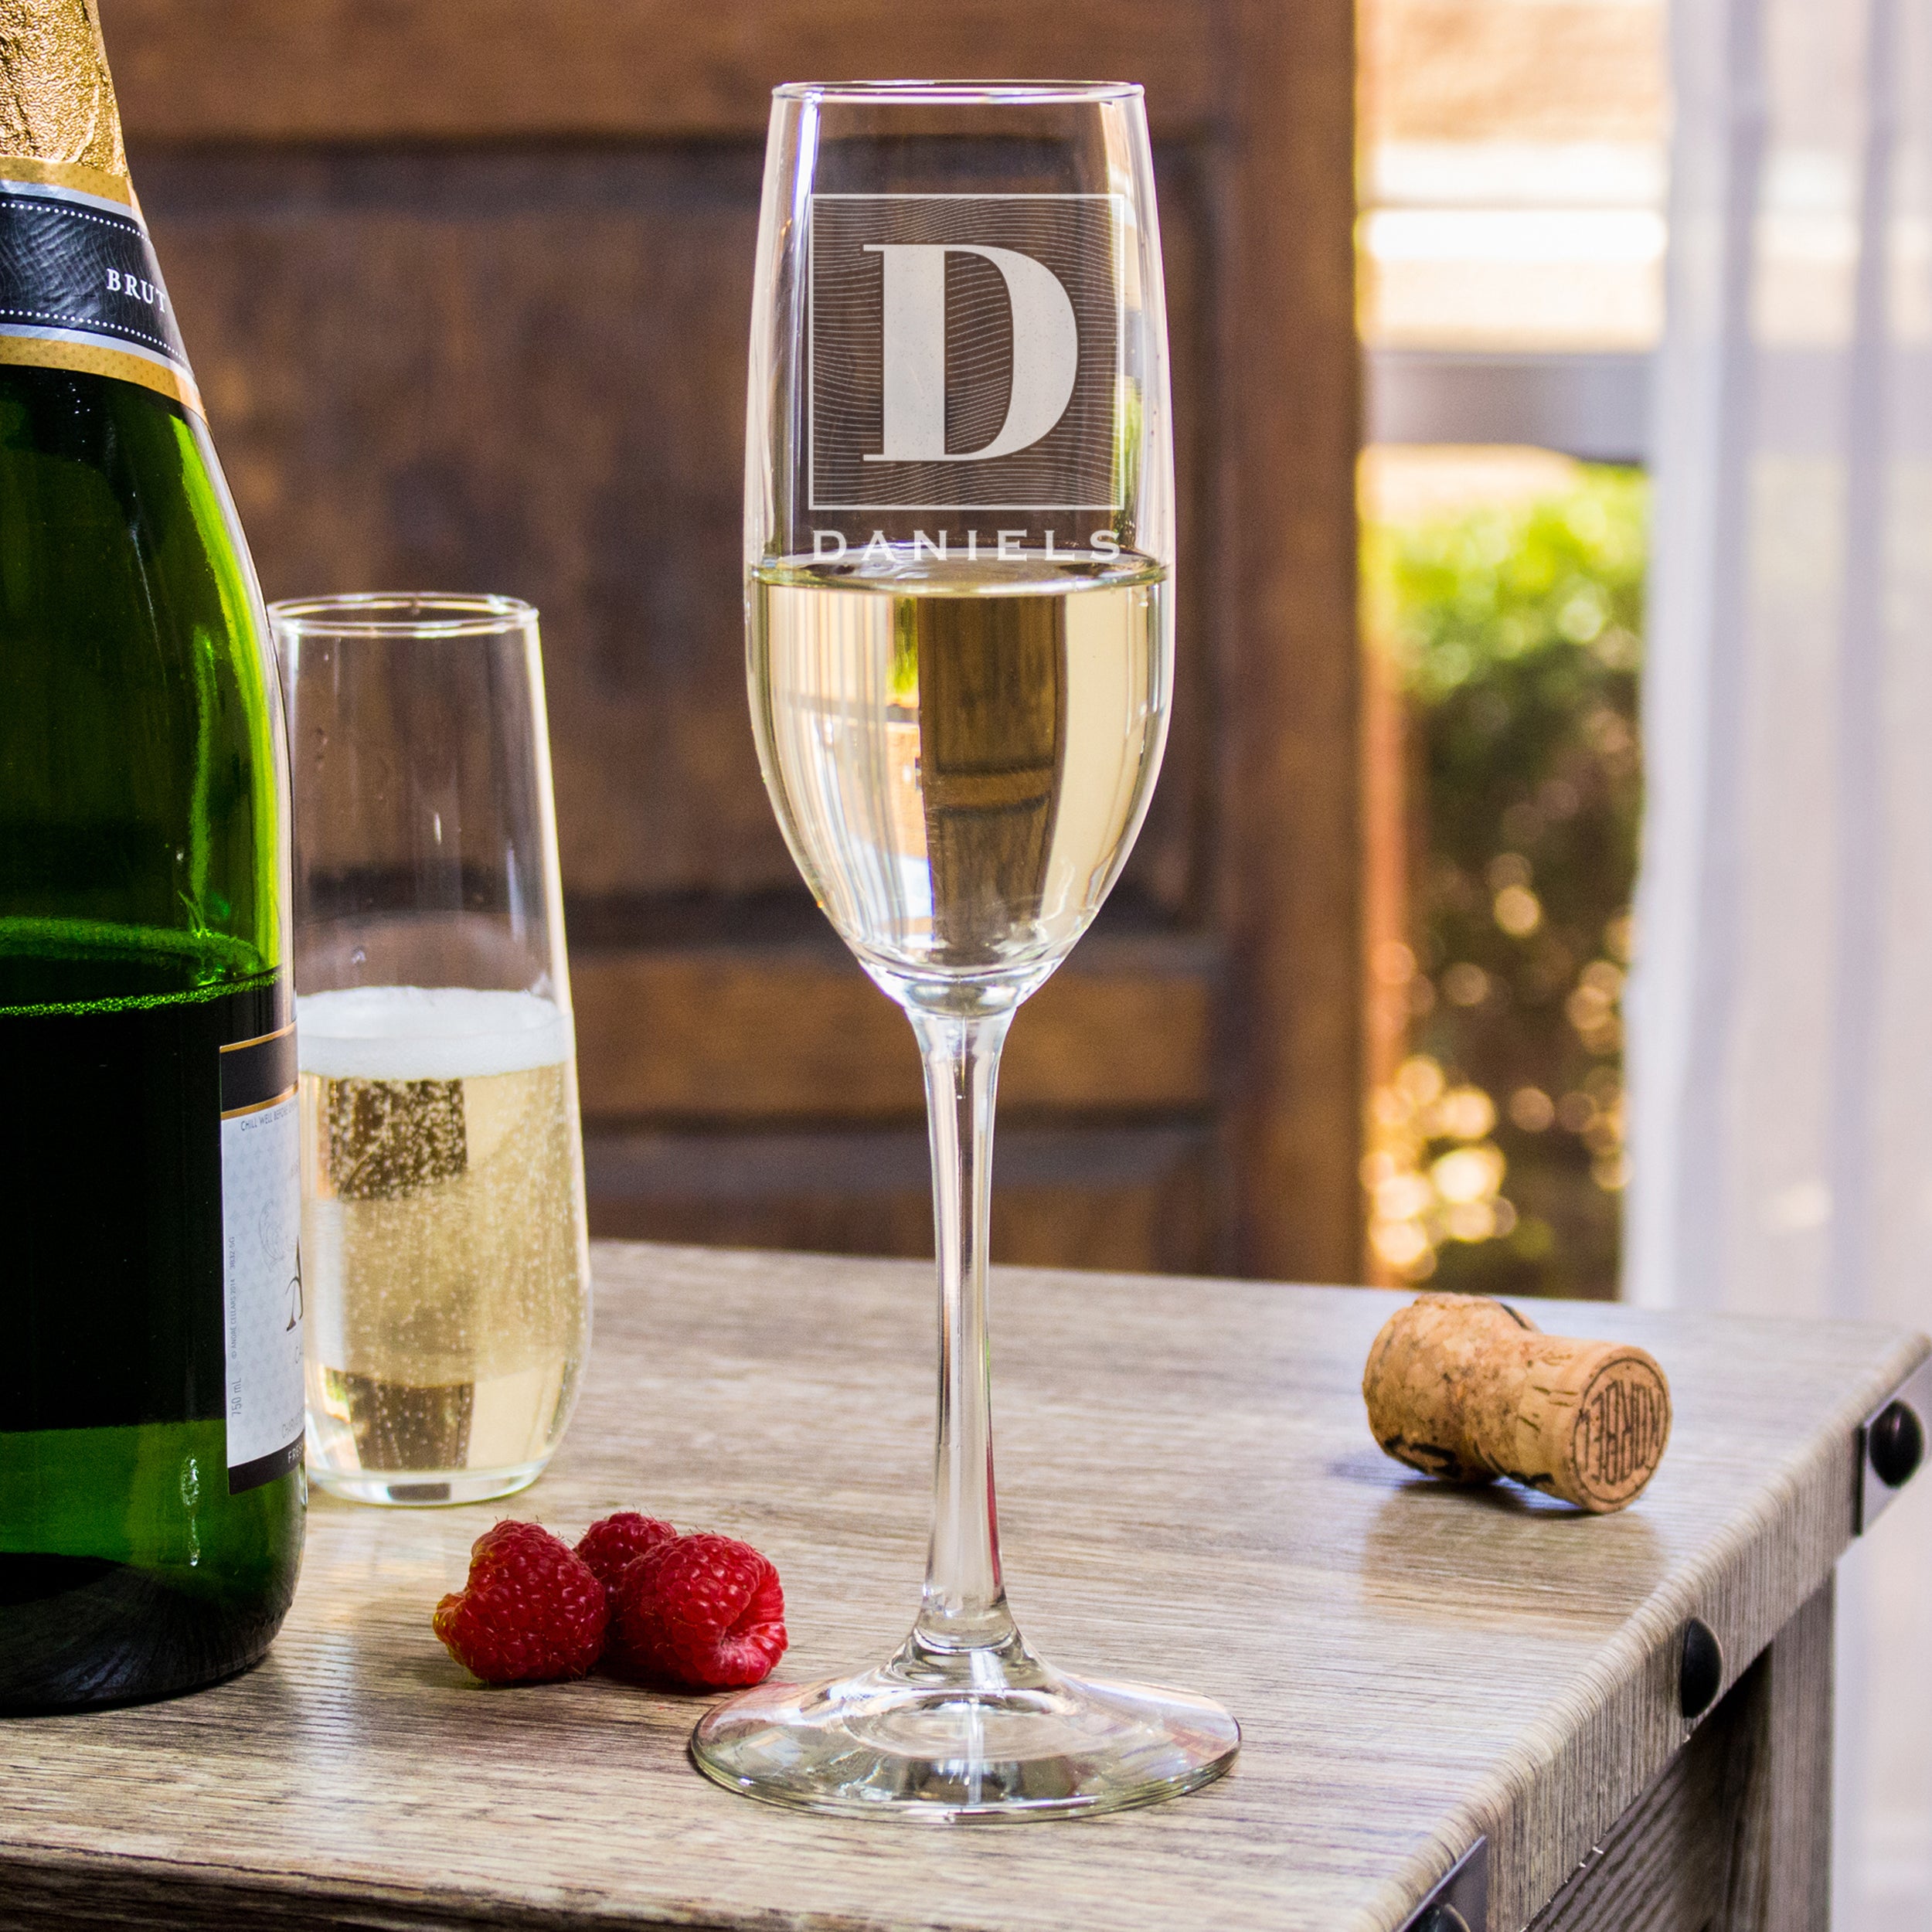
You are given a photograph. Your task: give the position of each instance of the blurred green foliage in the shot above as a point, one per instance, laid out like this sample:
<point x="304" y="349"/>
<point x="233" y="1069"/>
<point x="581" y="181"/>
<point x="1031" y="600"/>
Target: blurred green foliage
<point x="1515" y="633"/>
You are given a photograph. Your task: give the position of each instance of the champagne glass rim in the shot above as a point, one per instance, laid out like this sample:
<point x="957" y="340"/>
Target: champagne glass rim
<point x="1024" y="93"/>
<point x="402" y="614"/>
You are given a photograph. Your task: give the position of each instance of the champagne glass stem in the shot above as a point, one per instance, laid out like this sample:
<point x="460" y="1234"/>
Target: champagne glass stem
<point x="965" y="1606"/>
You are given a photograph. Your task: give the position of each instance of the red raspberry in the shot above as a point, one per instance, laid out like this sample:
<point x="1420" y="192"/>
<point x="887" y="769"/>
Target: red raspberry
<point x="611" y="1546"/>
<point x="532" y="1610"/>
<point x="705" y="1613"/>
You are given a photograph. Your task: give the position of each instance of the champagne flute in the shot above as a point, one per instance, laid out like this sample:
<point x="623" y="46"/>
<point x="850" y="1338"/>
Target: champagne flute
<point x="444" y="1237"/>
<point x="958" y="538"/>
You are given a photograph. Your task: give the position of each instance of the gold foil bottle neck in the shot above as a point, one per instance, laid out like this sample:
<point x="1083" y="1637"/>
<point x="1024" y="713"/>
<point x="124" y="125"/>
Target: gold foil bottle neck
<point x="56" y="96"/>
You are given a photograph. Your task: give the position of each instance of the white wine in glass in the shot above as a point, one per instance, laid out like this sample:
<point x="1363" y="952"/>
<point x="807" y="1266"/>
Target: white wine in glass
<point x="960" y="758"/>
<point x="959" y="543"/>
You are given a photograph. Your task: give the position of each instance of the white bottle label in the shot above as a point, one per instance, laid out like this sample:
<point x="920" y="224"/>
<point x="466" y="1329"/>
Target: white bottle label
<point x="261" y="1205"/>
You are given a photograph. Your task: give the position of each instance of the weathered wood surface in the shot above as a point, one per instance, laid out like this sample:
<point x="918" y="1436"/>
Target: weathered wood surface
<point x="1780" y="1873"/>
<point x="1661" y="1867"/>
<point x="796" y="1032"/>
<point x="1735" y="1835"/>
<point x="338" y="71"/>
<point x="1188" y="1493"/>
<point x="466" y="284"/>
<point x="1289" y="843"/>
<point x="1126" y="1197"/>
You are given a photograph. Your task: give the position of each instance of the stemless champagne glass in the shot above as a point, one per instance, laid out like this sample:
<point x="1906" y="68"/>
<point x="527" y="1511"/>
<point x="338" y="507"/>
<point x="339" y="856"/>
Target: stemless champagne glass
<point x="959" y="531"/>
<point x="444" y="1249"/>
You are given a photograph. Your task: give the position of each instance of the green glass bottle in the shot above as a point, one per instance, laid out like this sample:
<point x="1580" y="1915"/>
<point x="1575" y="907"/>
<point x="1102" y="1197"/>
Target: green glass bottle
<point x="151" y="1410"/>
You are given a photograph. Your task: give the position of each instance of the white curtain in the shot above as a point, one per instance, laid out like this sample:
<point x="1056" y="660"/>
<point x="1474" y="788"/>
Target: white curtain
<point x="1781" y="1016"/>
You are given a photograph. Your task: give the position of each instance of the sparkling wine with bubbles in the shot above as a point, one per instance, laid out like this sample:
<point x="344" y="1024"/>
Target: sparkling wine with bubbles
<point x="443" y="1235"/>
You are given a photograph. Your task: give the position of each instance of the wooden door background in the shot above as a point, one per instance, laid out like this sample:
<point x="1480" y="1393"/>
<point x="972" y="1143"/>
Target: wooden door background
<point x="466" y="285"/>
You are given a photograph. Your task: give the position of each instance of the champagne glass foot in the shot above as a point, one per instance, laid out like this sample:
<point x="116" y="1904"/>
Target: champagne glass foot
<point x="903" y="1743"/>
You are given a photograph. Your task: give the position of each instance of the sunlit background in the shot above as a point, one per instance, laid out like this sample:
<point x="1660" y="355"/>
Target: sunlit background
<point x="1512" y="175"/>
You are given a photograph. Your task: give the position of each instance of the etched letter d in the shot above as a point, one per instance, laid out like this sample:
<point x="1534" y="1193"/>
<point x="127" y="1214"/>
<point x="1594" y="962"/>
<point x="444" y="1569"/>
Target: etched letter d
<point x="1045" y="352"/>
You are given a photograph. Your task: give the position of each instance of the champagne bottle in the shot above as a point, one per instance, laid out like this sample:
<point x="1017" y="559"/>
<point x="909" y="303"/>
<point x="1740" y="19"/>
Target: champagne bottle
<point x="150" y="1406"/>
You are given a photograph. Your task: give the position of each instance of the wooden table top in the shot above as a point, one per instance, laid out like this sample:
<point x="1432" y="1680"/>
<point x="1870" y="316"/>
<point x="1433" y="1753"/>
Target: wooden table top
<point x="1189" y="1493"/>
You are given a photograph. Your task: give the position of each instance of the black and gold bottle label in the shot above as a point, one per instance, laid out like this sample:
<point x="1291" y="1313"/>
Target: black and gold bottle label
<point x="80" y="287"/>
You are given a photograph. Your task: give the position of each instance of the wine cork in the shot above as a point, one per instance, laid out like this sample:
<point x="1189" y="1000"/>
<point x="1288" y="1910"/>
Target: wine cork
<point x="1469" y="1389"/>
